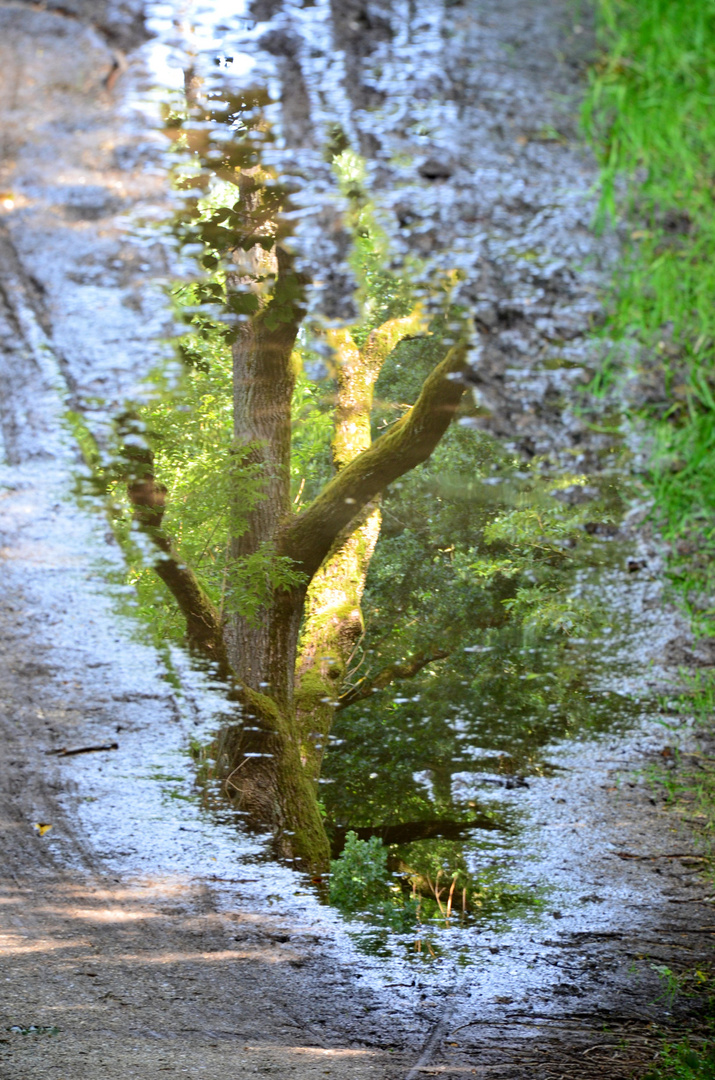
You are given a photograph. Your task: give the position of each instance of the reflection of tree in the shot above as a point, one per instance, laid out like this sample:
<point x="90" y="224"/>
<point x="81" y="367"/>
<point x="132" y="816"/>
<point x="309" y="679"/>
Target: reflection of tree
<point x="488" y="716"/>
<point x="287" y="665"/>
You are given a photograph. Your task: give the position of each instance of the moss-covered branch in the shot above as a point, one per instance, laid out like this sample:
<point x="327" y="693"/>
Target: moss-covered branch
<point x="357" y="373"/>
<point x="204" y="629"/>
<point x="407" y="669"/>
<point x="309" y="537"/>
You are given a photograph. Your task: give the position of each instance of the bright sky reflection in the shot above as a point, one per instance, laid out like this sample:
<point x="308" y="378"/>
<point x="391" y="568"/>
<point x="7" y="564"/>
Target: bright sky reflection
<point x="185" y="30"/>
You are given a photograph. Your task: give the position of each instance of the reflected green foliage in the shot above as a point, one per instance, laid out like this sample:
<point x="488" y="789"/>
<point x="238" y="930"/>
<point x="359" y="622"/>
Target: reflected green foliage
<point x="650" y="115"/>
<point x="490" y="553"/>
<point x="473" y="537"/>
<point x="311" y="434"/>
<point x="475" y="532"/>
<point x="393" y="757"/>
<point x="382" y="294"/>
<point x="482" y="558"/>
<point x="360" y="876"/>
<point x="430" y="885"/>
<point x="188" y="424"/>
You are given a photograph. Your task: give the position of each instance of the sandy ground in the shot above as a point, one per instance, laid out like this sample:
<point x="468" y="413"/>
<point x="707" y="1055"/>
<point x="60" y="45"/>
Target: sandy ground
<point x="139" y="935"/>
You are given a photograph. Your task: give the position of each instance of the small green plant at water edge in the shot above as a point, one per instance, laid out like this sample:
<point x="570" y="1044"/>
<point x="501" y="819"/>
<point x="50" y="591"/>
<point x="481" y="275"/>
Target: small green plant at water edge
<point x="682" y="1062"/>
<point x="671" y="983"/>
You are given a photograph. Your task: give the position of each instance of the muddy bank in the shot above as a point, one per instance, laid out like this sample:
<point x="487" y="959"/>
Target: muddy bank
<point x="143" y="935"/>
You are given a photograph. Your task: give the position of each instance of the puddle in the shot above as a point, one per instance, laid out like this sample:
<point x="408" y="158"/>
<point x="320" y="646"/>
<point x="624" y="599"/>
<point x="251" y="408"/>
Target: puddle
<point x="471" y="741"/>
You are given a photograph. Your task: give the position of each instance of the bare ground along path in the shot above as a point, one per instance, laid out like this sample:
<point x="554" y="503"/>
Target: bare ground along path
<point x="140" y="937"/>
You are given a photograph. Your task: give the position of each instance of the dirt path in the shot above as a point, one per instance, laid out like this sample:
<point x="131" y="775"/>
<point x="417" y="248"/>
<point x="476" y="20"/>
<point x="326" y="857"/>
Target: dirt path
<point x="141" y="936"/>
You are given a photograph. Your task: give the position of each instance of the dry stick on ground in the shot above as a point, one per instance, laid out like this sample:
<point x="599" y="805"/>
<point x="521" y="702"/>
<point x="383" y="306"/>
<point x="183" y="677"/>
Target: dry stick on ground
<point x="64" y="752"/>
<point x="669" y="855"/>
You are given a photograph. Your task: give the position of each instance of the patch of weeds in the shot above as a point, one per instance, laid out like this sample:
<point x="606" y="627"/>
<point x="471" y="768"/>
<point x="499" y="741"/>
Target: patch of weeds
<point x="359" y="877"/>
<point x="174" y="793"/>
<point x="692" y="1058"/>
<point x="360" y="881"/>
<point x="681" y="1061"/>
<point x="169" y="788"/>
<point x="672" y="983"/>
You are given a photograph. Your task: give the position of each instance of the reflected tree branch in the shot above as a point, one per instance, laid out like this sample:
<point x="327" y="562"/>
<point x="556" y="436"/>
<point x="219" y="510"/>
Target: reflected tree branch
<point x="406" y="669"/>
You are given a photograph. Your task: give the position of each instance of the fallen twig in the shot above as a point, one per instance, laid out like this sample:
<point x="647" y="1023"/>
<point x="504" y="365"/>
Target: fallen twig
<point x="232" y="880"/>
<point x="64" y="752"/>
<point x="665" y="855"/>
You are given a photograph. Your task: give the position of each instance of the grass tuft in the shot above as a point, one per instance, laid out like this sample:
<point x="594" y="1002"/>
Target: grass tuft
<point x="650" y="114"/>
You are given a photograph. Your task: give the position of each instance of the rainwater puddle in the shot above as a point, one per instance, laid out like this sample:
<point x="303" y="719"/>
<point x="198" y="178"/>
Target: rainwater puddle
<point x="489" y="775"/>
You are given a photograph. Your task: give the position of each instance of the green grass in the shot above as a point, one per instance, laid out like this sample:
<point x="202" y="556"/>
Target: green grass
<point x="650" y="114"/>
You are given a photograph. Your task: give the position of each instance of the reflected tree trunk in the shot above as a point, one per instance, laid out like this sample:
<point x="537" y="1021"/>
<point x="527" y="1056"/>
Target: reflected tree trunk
<point x="310" y="633"/>
<point x="288" y="668"/>
<point x="288" y="672"/>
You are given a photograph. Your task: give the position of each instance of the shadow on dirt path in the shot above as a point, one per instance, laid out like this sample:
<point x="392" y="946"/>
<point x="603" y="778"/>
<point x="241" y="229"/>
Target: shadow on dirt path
<point x="139" y="937"/>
